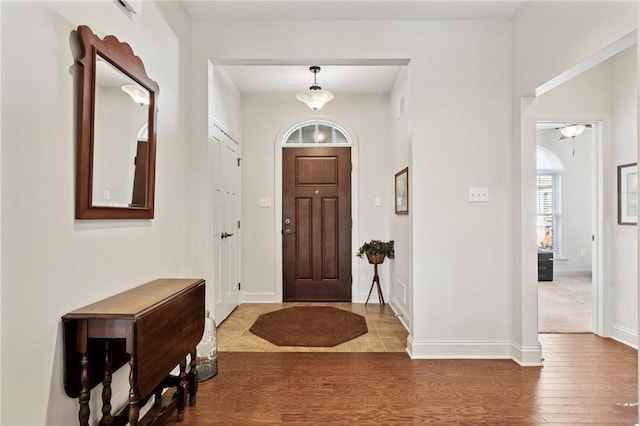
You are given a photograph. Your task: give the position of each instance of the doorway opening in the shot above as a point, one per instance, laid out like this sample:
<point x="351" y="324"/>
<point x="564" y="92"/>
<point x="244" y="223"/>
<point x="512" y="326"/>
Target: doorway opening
<point x="566" y="223"/>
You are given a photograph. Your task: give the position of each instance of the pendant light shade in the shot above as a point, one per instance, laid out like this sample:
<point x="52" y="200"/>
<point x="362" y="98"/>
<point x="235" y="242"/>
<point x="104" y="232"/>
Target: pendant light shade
<point x="572" y="130"/>
<point x="137" y="93"/>
<point x="315" y="97"/>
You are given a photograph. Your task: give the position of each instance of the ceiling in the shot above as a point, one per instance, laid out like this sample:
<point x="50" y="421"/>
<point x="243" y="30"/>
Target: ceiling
<point x="361" y="78"/>
<point x="351" y="9"/>
<point x="290" y="79"/>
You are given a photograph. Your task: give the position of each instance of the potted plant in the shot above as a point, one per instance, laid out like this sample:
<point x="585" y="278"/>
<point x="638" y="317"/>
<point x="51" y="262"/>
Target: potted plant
<point x="376" y="251"/>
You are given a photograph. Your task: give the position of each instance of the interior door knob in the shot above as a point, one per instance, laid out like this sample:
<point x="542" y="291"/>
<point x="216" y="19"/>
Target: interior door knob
<point x="225" y="235"/>
<point x="287" y="221"/>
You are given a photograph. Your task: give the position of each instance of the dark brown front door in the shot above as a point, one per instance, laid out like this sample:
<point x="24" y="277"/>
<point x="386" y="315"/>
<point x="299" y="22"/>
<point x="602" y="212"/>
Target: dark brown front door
<point x="139" y="197"/>
<point x="316" y="224"/>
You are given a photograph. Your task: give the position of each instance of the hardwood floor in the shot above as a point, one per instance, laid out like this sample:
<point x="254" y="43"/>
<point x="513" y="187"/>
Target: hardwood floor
<point x="585" y="380"/>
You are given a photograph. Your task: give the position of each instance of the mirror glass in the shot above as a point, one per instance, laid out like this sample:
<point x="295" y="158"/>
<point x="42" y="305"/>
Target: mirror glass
<point x="115" y="170"/>
<point x="120" y="139"/>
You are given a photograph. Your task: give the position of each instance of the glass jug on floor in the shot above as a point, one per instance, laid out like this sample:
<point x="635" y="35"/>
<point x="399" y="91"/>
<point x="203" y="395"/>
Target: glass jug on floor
<point x="207" y="350"/>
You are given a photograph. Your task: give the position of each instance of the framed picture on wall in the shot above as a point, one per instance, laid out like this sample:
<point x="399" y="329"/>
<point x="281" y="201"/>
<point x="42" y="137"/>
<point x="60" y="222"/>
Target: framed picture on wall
<point x="628" y="194"/>
<point x="402" y="191"/>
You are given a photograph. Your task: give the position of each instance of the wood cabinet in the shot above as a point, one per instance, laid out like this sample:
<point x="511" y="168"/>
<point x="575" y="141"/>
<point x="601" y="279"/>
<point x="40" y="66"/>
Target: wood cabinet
<point x="152" y="328"/>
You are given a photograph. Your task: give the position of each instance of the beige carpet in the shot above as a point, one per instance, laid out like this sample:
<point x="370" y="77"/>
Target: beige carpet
<point x="564" y="305"/>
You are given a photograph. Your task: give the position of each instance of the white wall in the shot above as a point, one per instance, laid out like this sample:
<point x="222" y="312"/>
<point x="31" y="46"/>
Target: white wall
<point x="225" y="101"/>
<point x="625" y="238"/>
<point x="545" y="47"/>
<point x="51" y="263"/>
<point x="265" y="118"/>
<point x="401" y="225"/>
<point x="458" y="113"/>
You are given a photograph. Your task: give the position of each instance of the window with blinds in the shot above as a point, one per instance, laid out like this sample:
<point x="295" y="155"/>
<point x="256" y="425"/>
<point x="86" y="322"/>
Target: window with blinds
<point x="549" y="213"/>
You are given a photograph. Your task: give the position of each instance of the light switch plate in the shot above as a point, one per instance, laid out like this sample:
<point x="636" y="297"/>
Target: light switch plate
<point x="479" y="195"/>
<point x="264" y="202"/>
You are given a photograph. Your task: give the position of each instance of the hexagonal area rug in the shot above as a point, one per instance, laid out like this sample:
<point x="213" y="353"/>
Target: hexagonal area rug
<point x="309" y="326"/>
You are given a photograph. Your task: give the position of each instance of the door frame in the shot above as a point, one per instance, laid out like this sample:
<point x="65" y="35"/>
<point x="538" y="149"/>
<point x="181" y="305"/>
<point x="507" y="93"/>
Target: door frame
<point x="600" y="263"/>
<point x="356" y="297"/>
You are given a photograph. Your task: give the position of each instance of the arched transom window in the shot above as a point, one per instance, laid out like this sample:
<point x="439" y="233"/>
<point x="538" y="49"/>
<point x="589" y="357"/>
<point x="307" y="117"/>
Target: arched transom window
<point x="316" y="132"/>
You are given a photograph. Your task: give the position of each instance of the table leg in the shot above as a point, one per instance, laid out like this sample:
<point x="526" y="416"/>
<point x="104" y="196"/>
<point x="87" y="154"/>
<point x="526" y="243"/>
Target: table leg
<point x="157" y="402"/>
<point x="134" y="409"/>
<point x="83" y="414"/>
<point x="182" y="384"/>
<point x="106" y="387"/>
<point x="193" y="385"/>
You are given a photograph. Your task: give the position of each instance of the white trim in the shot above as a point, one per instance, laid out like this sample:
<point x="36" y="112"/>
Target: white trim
<point x="215" y="121"/>
<point x="355" y="211"/>
<point x="595" y="59"/>
<point x="624" y="335"/>
<point x="468" y="349"/>
<point x="527" y="356"/>
<point x="257" y="297"/>
<point x="401" y="314"/>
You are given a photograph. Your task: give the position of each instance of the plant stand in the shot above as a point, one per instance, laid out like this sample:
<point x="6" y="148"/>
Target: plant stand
<point x="376" y="280"/>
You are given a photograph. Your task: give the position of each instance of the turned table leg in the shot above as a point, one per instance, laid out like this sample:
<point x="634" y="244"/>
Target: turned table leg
<point x="106" y="387"/>
<point x="83" y="414"/>
<point x="83" y="350"/>
<point x="181" y="393"/>
<point x="193" y="385"/>
<point x="134" y="409"/>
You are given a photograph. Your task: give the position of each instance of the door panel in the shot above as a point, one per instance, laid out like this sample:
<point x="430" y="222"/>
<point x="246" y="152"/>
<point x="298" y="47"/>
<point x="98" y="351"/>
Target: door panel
<point x="316" y="223"/>
<point x="224" y="208"/>
<point x="139" y="197"/>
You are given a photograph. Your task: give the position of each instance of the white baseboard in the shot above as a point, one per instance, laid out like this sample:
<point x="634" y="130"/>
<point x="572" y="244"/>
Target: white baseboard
<point x="258" y="297"/>
<point x="434" y="349"/>
<point x="561" y="273"/>
<point x="401" y="314"/>
<point x="624" y="335"/>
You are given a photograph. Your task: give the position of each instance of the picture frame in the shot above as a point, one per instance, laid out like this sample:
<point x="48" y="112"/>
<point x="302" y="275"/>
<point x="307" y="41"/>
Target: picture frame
<point x="628" y="194"/>
<point x="402" y="191"/>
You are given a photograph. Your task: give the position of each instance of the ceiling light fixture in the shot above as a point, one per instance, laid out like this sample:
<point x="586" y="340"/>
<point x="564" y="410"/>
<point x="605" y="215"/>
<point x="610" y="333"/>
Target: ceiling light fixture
<point x="572" y="130"/>
<point x="137" y="93"/>
<point x="315" y="97"/>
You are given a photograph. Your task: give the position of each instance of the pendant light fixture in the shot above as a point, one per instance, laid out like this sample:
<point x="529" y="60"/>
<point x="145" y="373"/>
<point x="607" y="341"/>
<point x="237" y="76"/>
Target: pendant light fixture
<point x="571" y="131"/>
<point x="137" y="93"/>
<point x="315" y="97"/>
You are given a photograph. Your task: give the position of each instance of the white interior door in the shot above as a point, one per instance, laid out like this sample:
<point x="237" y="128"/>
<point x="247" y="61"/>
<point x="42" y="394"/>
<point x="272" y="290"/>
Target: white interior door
<point x="224" y="154"/>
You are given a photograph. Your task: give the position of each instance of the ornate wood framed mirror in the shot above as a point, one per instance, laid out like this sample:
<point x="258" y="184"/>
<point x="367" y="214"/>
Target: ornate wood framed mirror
<point x="116" y="149"/>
